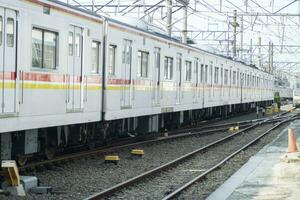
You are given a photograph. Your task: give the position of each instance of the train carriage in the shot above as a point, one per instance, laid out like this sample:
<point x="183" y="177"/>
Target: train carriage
<point x="71" y="77"/>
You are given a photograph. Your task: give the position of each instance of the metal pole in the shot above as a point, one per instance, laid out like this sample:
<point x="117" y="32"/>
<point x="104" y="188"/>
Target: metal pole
<point x="251" y="52"/>
<point x="259" y="52"/>
<point x="234" y="34"/>
<point x="184" y="27"/>
<point x="271" y="60"/>
<point x="228" y="42"/>
<point x="269" y="66"/>
<point x="169" y="17"/>
<point x="241" y="32"/>
<point x="93" y="5"/>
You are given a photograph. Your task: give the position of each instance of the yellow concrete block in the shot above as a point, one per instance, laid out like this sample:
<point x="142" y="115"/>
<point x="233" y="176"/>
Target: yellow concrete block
<point x="138" y="152"/>
<point x="236" y="128"/>
<point x="269" y="110"/>
<point x="11" y="172"/>
<point x="231" y="129"/>
<point x="112" y="158"/>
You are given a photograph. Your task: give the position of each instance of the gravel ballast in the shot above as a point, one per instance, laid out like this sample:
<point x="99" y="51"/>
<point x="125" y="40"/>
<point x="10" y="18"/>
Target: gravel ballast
<point x="84" y="177"/>
<point x="203" y="189"/>
<point x="81" y="178"/>
<point x="166" y="182"/>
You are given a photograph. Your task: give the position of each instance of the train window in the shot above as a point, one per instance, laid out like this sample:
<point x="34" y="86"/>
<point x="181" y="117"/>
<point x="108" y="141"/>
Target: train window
<point x="10" y="32"/>
<point x="230" y="77"/>
<point x="49" y="52"/>
<point x="112" y="60"/>
<point x="201" y="73"/>
<point x="226" y="77"/>
<point x="44" y="48"/>
<point x="168" y="72"/>
<point x="77" y="44"/>
<point x="71" y="46"/>
<point x="211" y="72"/>
<point x="37" y="47"/>
<point x="143" y="62"/>
<point x="188" y="70"/>
<point x="234" y="78"/>
<point x="242" y="79"/>
<point x="206" y="74"/>
<point x="216" y="75"/>
<point x="222" y="78"/>
<point x="95" y="56"/>
<point x="1" y="29"/>
<point x="248" y="80"/>
<point x="196" y="69"/>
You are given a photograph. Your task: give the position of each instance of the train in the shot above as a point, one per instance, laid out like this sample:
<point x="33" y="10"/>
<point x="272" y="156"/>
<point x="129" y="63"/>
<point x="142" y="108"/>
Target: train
<point x="72" y="77"/>
<point x="296" y="98"/>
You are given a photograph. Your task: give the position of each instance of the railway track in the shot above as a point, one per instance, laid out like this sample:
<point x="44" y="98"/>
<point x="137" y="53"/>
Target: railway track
<point x="162" y="175"/>
<point x="176" y="134"/>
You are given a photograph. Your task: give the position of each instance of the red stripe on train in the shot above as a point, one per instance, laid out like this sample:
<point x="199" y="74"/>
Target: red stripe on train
<point x="8" y="75"/>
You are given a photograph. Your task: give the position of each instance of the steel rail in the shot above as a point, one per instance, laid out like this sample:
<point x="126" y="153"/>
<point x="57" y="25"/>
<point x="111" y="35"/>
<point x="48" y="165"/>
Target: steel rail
<point x="186" y="133"/>
<point x="110" y="191"/>
<point x="201" y="176"/>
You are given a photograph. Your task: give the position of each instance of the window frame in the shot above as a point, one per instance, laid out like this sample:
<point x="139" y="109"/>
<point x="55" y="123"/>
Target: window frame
<point x="1" y="28"/>
<point x="216" y="75"/>
<point x="233" y="77"/>
<point x="188" y="77"/>
<point x="140" y="71"/>
<point x="168" y="67"/>
<point x="10" y="45"/>
<point x="114" y="60"/>
<point x="98" y="68"/>
<point x="226" y="73"/>
<point x="56" y="55"/>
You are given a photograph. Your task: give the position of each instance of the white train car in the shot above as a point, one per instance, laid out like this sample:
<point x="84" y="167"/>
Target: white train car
<point x="296" y="97"/>
<point x="163" y="76"/>
<point x="51" y="77"/>
<point x="72" y="77"/>
<point x="285" y="93"/>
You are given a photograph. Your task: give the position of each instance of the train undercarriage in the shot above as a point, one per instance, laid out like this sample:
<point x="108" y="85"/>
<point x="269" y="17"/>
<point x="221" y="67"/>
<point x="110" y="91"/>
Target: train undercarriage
<point x="46" y="143"/>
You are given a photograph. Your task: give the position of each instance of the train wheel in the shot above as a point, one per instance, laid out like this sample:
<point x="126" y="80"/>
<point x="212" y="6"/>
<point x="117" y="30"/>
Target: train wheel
<point x="22" y="160"/>
<point x="50" y="152"/>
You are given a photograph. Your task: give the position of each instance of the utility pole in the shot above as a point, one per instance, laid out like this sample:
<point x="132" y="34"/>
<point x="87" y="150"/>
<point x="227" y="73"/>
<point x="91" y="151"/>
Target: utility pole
<point x="270" y="70"/>
<point x="235" y="25"/>
<point x="259" y="52"/>
<point x="241" y="32"/>
<point x="228" y="42"/>
<point x="251" y="52"/>
<point x="93" y="5"/>
<point x="169" y="17"/>
<point x="184" y="25"/>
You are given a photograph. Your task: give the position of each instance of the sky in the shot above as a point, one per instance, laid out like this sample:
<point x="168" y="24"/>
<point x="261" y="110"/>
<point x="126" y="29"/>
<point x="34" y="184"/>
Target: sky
<point x="209" y="25"/>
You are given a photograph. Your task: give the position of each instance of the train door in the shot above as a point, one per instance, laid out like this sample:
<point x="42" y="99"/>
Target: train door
<point x="8" y="59"/>
<point x="74" y="88"/>
<point x="126" y="73"/>
<point x="179" y="77"/>
<point x="156" y="77"/>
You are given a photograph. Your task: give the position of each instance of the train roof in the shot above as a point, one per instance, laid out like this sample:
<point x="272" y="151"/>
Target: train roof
<point x="166" y="37"/>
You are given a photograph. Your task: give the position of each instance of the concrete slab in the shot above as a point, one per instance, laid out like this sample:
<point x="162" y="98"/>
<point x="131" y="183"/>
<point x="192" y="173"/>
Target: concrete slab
<point x="29" y="182"/>
<point x="265" y="176"/>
